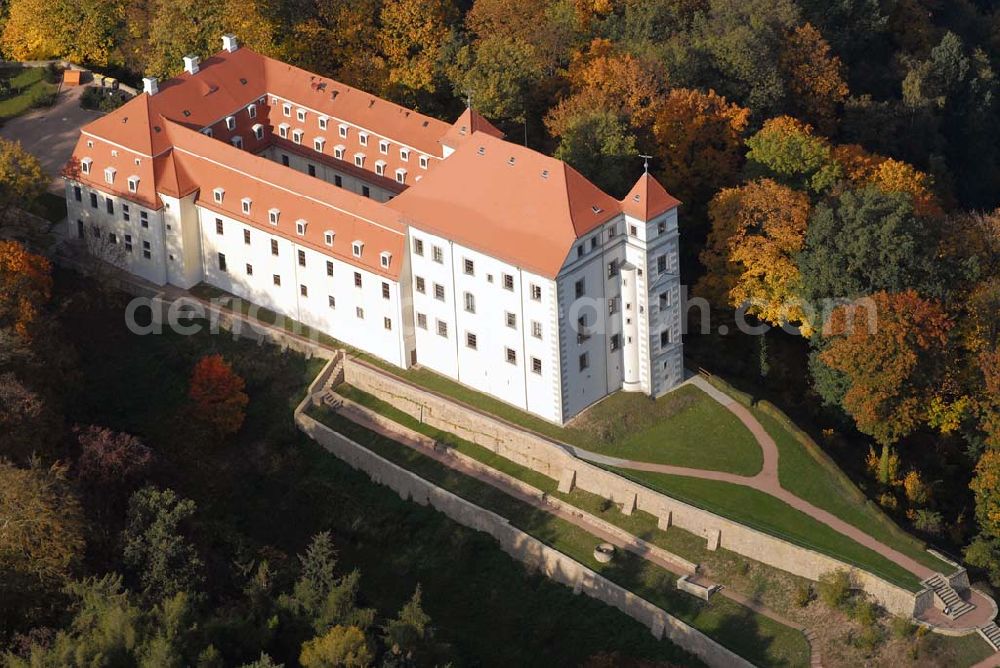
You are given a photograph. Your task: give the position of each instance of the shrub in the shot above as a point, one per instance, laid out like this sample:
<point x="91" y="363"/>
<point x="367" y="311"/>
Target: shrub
<point x="864" y="613"/>
<point x="103" y="99"/>
<point x="903" y="627"/>
<point x="928" y="521"/>
<point x="803" y="595"/>
<point x="45" y="99"/>
<point x="918" y="493"/>
<point x="868" y="639"/>
<point x="835" y="588"/>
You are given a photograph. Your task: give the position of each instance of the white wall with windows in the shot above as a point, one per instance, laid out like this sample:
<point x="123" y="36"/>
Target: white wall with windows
<point x="300" y="162"/>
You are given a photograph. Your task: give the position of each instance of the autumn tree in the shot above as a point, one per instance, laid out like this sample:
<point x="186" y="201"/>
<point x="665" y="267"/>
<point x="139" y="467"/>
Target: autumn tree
<point x="109" y="458"/>
<point x="25" y="287"/>
<point x="889" y="351"/>
<point x="411" y="38"/>
<point x="815" y="77"/>
<point x="344" y="646"/>
<point x="757" y="231"/>
<point x="787" y="150"/>
<point x="699" y="138"/>
<point x="217" y="396"/>
<point x="984" y="551"/>
<point x="549" y="26"/>
<point x="82" y="31"/>
<point x="22" y="180"/>
<point x="157" y="546"/>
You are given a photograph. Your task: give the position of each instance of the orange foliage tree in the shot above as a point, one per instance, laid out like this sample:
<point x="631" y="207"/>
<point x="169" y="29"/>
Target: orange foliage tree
<point x="815" y="77"/>
<point x="889" y="361"/>
<point x="25" y="285"/>
<point x="700" y="143"/>
<point x="757" y="230"/>
<point x="217" y="396"/>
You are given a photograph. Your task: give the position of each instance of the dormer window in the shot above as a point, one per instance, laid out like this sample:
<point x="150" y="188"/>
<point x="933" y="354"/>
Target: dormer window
<point x="109" y="174"/>
<point x="363" y="138"/>
<point x="133" y="184"/>
<point x="343" y="130"/>
<point x="272" y="216"/>
<point x="252" y="110"/>
<point x="286" y="109"/>
<point x="237" y="141"/>
<point x="283" y="130"/>
<point x="359" y="159"/>
<point x="404" y="154"/>
<point x="328" y="238"/>
<point x="246" y="204"/>
<point x="90" y="144"/>
<point x="114" y="153"/>
<point x="423" y="162"/>
<point x="258" y="131"/>
<point x="338" y="151"/>
<point x="318" y="143"/>
<point x="218" y="194"/>
<point x="301" y="115"/>
<point x="297" y="136"/>
<point x="230" y="122"/>
<point x="380" y="167"/>
<point x="357" y="247"/>
<point x="207" y="132"/>
<point x="401" y="175"/>
<point x="300" y="227"/>
<point x="323" y="121"/>
<point x="85" y="165"/>
<point x="385" y="257"/>
<point x="383" y="147"/>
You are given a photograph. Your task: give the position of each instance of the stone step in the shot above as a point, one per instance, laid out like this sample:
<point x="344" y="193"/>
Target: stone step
<point x="953" y="605"/>
<point x="991" y="634"/>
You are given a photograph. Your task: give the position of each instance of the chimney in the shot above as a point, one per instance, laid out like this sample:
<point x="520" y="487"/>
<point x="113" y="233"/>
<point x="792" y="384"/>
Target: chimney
<point x="191" y="64"/>
<point x="149" y="85"/>
<point x="229" y="43"/>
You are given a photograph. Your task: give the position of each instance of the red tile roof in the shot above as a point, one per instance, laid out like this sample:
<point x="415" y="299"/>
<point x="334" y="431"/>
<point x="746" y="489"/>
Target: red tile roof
<point x="648" y="199"/>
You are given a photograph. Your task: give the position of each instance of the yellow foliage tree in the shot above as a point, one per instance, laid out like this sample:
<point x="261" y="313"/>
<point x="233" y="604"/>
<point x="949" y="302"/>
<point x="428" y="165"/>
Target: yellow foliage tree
<point x="411" y="37"/>
<point x="815" y="77"/>
<point x="341" y="646"/>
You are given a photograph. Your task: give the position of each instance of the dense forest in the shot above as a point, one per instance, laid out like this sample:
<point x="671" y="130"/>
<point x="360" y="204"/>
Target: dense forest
<point x="834" y="157"/>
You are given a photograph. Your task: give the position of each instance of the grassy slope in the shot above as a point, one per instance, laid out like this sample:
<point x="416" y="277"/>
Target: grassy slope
<point x="753" y="636"/>
<point x="266" y="493"/>
<point x="31" y="81"/>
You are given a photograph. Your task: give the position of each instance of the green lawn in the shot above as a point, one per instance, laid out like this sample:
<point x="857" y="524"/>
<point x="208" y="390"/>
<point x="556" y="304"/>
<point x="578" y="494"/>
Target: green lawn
<point x="266" y="492"/>
<point x="753" y="636"/>
<point x="30" y="87"/>
<point x="807" y="477"/>
<point x="770" y="515"/>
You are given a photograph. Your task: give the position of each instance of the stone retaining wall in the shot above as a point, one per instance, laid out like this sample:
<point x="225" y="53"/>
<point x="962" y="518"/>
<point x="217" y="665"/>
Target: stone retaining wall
<point x="520" y="545"/>
<point x="551" y="459"/>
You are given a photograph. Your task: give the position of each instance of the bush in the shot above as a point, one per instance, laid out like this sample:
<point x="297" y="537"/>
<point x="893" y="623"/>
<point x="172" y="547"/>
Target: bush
<point x="902" y="627"/>
<point x="864" y="613"/>
<point x="45" y="99"/>
<point x="103" y="99"/>
<point x="53" y="73"/>
<point x="928" y="521"/>
<point x="803" y="595"/>
<point x="868" y="639"/>
<point x="835" y="588"/>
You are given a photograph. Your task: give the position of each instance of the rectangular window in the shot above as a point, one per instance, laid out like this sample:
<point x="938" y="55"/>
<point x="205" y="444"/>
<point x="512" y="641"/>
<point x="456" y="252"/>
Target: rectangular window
<point x="360" y="312"/>
<point x="437" y="254"/>
<point x="664" y="300"/>
<point x="274" y="247"/>
<point x="249" y="269"/>
<point x="387" y="323"/>
<point x="418" y="246"/>
<point x="439" y="292"/>
<point x="109" y="205"/>
<point x="536" y="329"/>
<point x="277" y="279"/>
<point x="579" y="288"/>
<point x="218" y="226"/>
<point x="420" y="284"/>
<point x="302" y="258"/>
<point x="661" y="264"/>
<point x="442" y="328"/>
<point x="584" y="361"/>
<point x="470" y="268"/>
<point x="612" y="268"/>
<point x="332" y="301"/>
<point x="579" y="251"/>
<point x="421" y="321"/>
<point x="246" y="237"/>
<point x="303" y="290"/>
<point x="126" y="215"/>
<point x="536" y="293"/>
<point x="613" y="306"/>
<point x="615" y="342"/>
<point x="470" y="302"/>
<point x="93" y="200"/>
<point x="357" y="279"/>
<point x="284" y="160"/>
<point x="536" y="365"/>
<point x="338" y="181"/>
<point x="665" y="338"/>
<point x="329" y="268"/>
<point x="77" y="193"/>
<point x="508" y="282"/>
<point x="661" y="227"/>
<point x="633" y="230"/>
<point x="366" y="191"/>
<point x="470" y="341"/>
<point x="311" y="169"/>
<point x="146" y="250"/>
<point x="128" y="243"/>
<point x="511" y="356"/>
<point x="593" y="242"/>
<point x="222" y="262"/>
<point x="144" y="218"/>
<point x="423" y="162"/>
<point x="511" y="320"/>
<point x="385" y="290"/>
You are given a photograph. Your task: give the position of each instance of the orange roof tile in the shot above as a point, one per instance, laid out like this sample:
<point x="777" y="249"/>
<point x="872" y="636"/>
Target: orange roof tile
<point x="648" y="199"/>
<point x="507" y="201"/>
<point x="135" y="125"/>
<point x="469" y="122"/>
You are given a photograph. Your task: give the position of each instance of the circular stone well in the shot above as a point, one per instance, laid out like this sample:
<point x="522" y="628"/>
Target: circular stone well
<point x="603" y="552"/>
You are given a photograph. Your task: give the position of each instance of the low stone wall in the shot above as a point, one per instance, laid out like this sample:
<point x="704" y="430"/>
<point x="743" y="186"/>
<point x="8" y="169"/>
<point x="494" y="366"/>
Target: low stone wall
<point x="551" y="459"/>
<point x="520" y="545"/>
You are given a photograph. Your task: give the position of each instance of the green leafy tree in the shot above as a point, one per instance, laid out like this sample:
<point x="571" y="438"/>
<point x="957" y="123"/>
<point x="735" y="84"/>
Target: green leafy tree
<point x="406" y="637"/>
<point x="598" y="144"/>
<point x="499" y="75"/>
<point x="340" y="647"/>
<point x="157" y="548"/>
<point x="786" y="150"/>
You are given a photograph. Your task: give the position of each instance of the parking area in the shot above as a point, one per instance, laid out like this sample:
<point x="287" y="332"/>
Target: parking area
<point x="51" y="133"/>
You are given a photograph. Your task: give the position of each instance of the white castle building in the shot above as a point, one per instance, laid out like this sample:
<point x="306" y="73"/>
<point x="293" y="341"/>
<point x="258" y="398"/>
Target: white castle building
<point x="418" y="241"/>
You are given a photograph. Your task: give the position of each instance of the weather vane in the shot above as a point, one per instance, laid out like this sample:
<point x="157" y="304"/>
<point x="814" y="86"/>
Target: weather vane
<point x="645" y="161"/>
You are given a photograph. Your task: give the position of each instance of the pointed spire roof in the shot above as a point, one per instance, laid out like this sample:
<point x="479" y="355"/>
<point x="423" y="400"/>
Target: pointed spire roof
<point x="648" y="199"/>
<point x="470" y="121"/>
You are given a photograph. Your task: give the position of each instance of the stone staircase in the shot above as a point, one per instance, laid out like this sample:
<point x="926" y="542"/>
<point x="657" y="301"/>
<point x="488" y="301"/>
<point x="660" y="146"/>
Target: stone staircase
<point x="991" y="634"/>
<point x="946" y="597"/>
